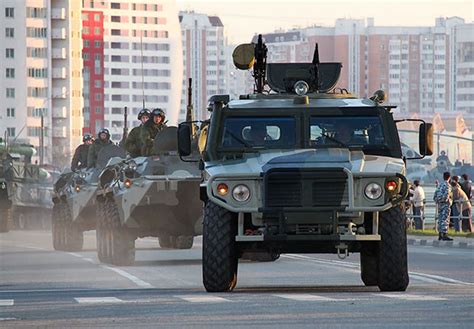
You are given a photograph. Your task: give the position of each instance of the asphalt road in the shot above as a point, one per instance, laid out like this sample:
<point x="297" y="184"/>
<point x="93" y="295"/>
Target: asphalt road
<point x="42" y="288"/>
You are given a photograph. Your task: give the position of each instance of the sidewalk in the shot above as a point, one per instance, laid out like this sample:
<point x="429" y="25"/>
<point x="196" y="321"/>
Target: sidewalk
<point x="432" y="241"/>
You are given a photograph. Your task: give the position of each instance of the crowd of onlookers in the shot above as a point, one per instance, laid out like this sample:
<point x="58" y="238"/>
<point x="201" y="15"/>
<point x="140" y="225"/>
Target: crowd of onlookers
<point x="453" y="197"/>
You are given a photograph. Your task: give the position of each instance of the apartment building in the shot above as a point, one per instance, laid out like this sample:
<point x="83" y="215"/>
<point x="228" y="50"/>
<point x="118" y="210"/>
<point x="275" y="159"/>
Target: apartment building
<point x="141" y="58"/>
<point x="204" y="51"/>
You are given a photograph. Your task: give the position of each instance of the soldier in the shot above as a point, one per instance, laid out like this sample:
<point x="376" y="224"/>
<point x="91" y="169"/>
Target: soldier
<point x="79" y="160"/>
<point x="102" y="141"/>
<point x="444" y="199"/>
<point x="133" y="143"/>
<point x="150" y="129"/>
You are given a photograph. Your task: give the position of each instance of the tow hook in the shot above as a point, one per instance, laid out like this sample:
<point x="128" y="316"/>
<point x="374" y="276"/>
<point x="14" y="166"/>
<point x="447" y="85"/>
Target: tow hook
<point x="342" y="251"/>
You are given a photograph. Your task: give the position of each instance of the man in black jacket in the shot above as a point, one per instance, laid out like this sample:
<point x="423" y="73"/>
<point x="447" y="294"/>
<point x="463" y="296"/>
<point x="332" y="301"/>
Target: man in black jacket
<point x="79" y="160"/>
<point x="102" y="141"/>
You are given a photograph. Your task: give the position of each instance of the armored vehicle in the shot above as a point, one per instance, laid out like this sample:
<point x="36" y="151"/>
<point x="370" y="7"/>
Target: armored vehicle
<point x="302" y="167"/>
<point x="74" y="209"/>
<point x="148" y="196"/>
<point x="5" y="190"/>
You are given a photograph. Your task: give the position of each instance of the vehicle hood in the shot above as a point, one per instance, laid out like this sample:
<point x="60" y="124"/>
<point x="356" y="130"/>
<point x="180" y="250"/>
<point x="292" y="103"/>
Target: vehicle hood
<point x="354" y="160"/>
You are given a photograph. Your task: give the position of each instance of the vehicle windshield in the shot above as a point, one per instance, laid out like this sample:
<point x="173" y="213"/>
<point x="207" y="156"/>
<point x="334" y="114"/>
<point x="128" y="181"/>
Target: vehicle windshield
<point x="259" y="133"/>
<point x="346" y="131"/>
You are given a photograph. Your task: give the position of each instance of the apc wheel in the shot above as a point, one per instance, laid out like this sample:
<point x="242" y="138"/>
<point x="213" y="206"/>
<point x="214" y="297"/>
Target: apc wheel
<point x="67" y="236"/>
<point x="369" y="264"/>
<point x="101" y="230"/>
<point x="5" y="218"/>
<point x="119" y="243"/>
<point x="219" y="250"/>
<point x="183" y="242"/>
<point x="392" y="255"/>
<point x="166" y="241"/>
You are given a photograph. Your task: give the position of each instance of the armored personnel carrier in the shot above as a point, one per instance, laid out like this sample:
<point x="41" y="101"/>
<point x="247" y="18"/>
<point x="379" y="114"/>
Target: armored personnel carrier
<point x="74" y="210"/>
<point x="148" y="196"/>
<point x="302" y="167"/>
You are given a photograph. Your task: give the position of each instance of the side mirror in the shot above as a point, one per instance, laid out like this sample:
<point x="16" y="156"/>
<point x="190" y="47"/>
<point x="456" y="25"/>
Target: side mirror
<point x="184" y="139"/>
<point x="426" y="139"/>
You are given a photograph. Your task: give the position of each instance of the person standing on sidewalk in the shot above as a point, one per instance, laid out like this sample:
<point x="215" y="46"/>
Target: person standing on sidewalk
<point x="466" y="187"/>
<point x="418" y="205"/>
<point x="444" y="199"/>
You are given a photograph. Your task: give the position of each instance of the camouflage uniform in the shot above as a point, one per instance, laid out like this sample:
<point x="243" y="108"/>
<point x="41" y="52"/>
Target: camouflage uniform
<point x="79" y="160"/>
<point x="444" y="198"/>
<point x="148" y="134"/>
<point x="133" y="143"/>
<point x="94" y="151"/>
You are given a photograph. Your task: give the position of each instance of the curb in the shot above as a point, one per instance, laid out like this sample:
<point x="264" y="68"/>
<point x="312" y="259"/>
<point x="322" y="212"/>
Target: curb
<point x="436" y="243"/>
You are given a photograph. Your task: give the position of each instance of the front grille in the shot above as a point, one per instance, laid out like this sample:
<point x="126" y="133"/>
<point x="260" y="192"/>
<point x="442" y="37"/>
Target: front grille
<point x="293" y="187"/>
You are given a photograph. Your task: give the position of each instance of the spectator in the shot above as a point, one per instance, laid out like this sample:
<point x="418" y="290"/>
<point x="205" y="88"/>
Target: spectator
<point x="418" y="205"/>
<point x="466" y="187"/>
<point x="444" y="199"/>
<point x="457" y="204"/>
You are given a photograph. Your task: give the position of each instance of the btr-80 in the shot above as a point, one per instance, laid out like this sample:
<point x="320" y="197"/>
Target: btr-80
<point x="302" y="167"/>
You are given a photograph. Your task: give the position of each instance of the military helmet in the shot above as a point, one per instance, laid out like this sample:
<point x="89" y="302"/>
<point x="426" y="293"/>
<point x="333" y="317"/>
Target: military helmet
<point x="87" y="137"/>
<point x="158" y="112"/>
<point x="143" y="112"/>
<point x="104" y="131"/>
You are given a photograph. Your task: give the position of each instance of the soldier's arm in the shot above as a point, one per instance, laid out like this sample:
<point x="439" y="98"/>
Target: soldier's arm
<point x="75" y="159"/>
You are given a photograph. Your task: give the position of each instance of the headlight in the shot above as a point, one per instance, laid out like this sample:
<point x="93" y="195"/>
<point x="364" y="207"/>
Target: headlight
<point x="3" y="186"/>
<point x="132" y="165"/>
<point x="241" y="193"/>
<point x="373" y="191"/>
<point x="83" y="175"/>
<point x="301" y="88"/>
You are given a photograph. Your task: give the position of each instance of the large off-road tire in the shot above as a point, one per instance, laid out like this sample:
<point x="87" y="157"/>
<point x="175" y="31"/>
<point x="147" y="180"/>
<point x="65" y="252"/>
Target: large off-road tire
<point x="67" y="236"/>
<point x="219" y="250"/>
<point x="5" y="218"/>
<point x="118" y="242"/>
<point x="369" y="264"/>
<point x="392" y="253"/>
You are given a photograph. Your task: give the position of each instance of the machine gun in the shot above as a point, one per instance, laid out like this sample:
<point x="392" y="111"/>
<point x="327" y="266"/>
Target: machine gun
<point x="125" y="127"/>
<point x="260" y="67"/>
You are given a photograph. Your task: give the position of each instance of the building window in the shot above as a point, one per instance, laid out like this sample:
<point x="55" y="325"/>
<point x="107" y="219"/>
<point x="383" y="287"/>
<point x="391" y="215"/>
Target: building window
<point x="10" y="112"/>
<point x="115" y="5"/>
<point x="9" y="32"/>
<point x="97" y="30"/>
<point x="115" y="32"/>
<point x="10" y="92"/>
<point x="10" y="12"/>
<point x="97" y="83"/>
<point x="115" y="19"/>
<point x="10" y="72"/>
<point x="97" y="44"/>
<point x="10" y="53"/>
<point x="11" y="132"/>
<point x="98" y="110"/>
<point x="86" y="43"/>
<point x="98" y="97"/>
<point x="97" y="17"/>
<point x="85" y="30"/>
<point x="85" y="56"/>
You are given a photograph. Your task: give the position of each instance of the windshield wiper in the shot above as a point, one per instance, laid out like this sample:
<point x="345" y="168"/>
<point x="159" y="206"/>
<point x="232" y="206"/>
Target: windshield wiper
<point x="335" y="140"/>
<point x="241" y="141"/>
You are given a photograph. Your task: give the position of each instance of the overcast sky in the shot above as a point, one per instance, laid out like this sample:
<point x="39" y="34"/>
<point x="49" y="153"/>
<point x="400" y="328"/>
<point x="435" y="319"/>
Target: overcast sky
<point x="243" y="18"/>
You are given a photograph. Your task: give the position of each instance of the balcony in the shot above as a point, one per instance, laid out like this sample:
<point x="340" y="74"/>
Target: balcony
<point x="58" y="13"/>
<point x="60" y="112"/>
<point x="59" y="73"/>
<point x="59" y="132"/>
<point x="59" y="53"/>
<point x="59" y="34"/>
<point x="60" y="93"/>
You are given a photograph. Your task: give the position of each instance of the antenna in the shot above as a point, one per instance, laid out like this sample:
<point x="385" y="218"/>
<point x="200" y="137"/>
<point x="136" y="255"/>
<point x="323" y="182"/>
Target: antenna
<point x="141" y="59"/>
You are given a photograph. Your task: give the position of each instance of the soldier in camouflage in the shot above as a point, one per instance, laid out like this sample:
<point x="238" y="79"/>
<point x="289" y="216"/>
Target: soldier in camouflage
<point x="150" y="129"/>
<point x="102" y="141"/>
<point x="444" y="199"/>
<point x="79" y="160"/>
<point x="133" y="141"/>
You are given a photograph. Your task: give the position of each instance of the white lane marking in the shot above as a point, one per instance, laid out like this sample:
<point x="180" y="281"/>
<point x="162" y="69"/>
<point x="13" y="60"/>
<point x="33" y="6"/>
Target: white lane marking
<point x="307" y="298"/>
<point x="7" y="302"/>
<point x="97" y="300"/>
<point x="411" y="297"/>
<point x="134" y="279"/>
<point x="203" y="299"/>
<point x="442" y="279"/>
<point x="8" y="319"/>
<point x="428" y="278"/>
